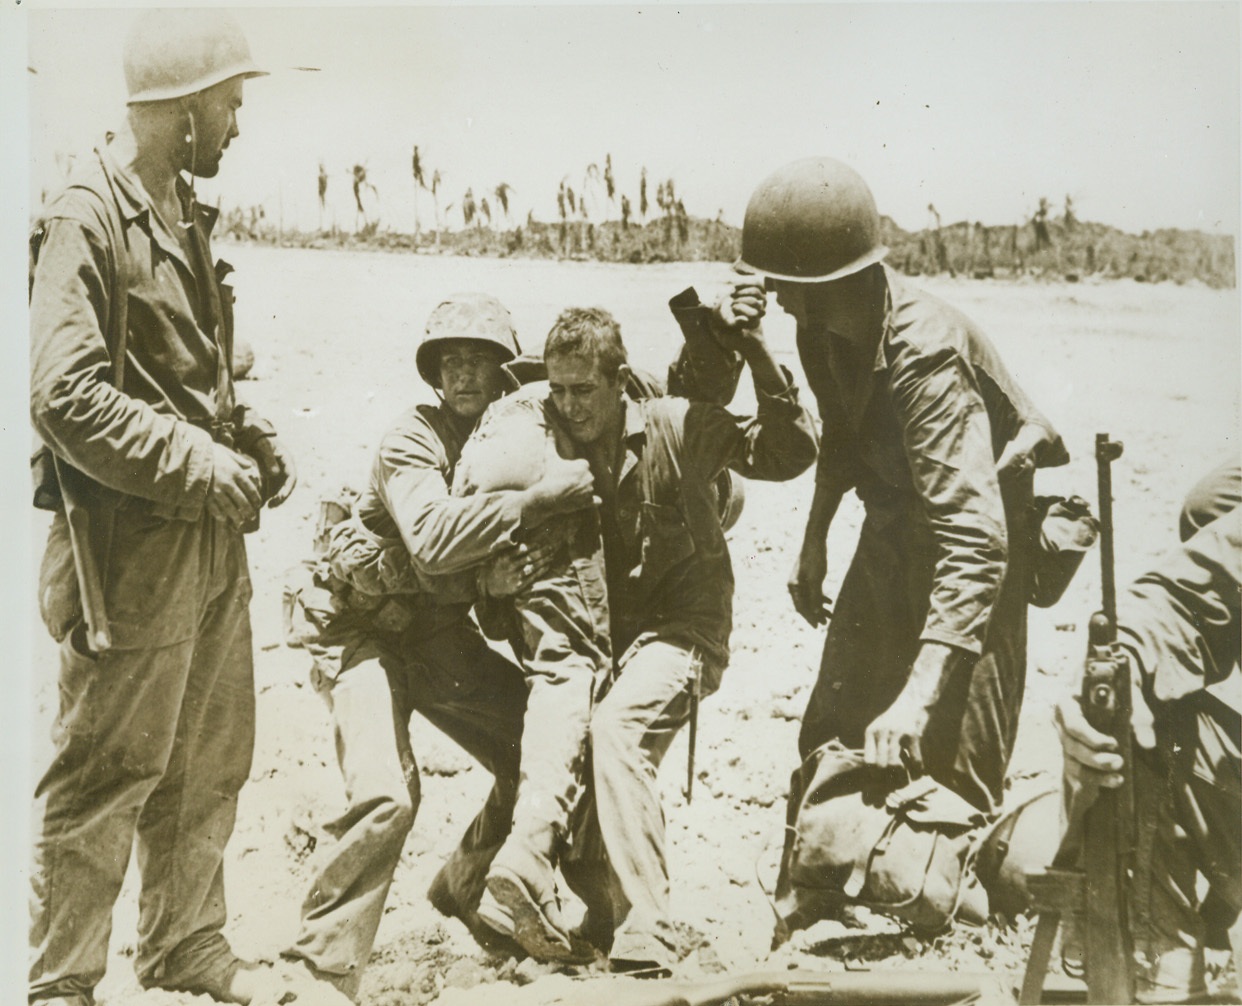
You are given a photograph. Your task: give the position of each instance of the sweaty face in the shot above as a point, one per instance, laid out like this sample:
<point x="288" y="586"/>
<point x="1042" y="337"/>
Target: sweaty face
<point x="215" y="124"/>
<point x="589" y="403"/>
<point x="471" y="377"/>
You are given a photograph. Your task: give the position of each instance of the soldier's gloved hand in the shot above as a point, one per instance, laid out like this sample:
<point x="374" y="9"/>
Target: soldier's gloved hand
<point x="515" y="570"/>
<point x="277" y="470"/>
<point x="566" y="486"/>
<point x="234" y="495"/>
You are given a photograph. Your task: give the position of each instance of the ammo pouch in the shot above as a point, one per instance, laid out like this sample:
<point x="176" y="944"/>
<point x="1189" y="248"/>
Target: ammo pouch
<point x="353" y="570"/>
<point x="905" y="850"/>
<point x="1067" y="530"/>
<point x="44" y="485"/>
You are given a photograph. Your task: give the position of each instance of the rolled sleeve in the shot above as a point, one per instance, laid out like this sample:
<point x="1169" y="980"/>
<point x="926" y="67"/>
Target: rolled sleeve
<point x="947" y="440"/>
<point x="115" y="439"/>
<point x="1180" y="619"/>
<point x="444" y="533"/>
<point x="780" y="443"/>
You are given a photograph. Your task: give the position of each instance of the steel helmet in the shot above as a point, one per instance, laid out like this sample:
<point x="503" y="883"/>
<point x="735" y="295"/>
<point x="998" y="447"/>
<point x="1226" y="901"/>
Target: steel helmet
<point x="475" y="316"/>
<point x="171" y="53"/>
<point x="810" y="222"/>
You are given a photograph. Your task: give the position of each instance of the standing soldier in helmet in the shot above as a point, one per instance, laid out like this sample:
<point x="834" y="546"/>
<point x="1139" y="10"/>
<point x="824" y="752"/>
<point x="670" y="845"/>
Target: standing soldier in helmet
<point x="154" y="471"/>
<point x="388" y="640"/>
<point x="925" y="657"/>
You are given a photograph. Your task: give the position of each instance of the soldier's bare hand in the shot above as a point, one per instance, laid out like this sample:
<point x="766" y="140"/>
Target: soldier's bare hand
<point x="516" y="570"/>
<point x="806" y="586"/>
<point x="1092" y="760"/>
<point x="234" y="495"/>
<point x="743" y="306"/>
<point x="895" y="737"/>
<point x="738" y="314"/>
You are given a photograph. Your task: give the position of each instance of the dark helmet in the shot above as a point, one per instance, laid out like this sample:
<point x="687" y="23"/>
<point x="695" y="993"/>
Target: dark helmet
<point x="475" y="316"/>
<point x="171" y="53"/>
<point x="810" y="222"/>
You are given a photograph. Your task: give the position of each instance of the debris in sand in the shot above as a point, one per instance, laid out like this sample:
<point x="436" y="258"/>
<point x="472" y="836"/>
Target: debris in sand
<point x="300" y="836"/>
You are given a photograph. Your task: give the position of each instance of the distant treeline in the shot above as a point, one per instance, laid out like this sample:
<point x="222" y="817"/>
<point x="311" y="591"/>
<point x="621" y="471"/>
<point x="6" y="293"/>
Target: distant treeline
<point x="1050" y="248"/>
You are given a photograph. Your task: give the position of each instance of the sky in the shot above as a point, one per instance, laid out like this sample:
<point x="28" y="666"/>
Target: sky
<point x="1131" y="109"/>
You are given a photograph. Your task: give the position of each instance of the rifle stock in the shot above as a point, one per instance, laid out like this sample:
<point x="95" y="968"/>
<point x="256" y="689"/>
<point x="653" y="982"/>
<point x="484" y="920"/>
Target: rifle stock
<point x="90" y="582"/>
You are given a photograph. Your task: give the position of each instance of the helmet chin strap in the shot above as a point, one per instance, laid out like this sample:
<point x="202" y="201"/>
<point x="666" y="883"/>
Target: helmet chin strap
<point x="192" y="139"/>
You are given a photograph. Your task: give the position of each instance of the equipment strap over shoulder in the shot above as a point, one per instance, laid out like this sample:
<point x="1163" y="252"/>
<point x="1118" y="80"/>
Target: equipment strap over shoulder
<point x="117" y="334"/>
<point x="57" y="484"/>
<point x="48" y="493"/>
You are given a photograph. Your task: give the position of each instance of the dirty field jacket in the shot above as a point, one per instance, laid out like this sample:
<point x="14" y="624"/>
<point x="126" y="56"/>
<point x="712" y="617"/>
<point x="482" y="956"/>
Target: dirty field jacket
<point x="407" y="505"/>
<point x="916" y="426"/>
<point x="668" y="566"/>
<point x="150" y="438"/>
<point x="1180" y="620"/>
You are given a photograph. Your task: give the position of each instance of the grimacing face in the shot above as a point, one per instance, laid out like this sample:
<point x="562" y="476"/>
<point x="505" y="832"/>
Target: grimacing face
<point x="587" y="401"/>
<point x="471" y="377"/>
<point x="215" y="124"/>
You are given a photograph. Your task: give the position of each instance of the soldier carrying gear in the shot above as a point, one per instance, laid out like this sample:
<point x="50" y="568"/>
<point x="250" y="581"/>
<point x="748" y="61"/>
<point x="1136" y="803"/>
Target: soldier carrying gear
<point x="922" y="419"/>
<point x="389" y="637"/>
<point x="145" y="578"/>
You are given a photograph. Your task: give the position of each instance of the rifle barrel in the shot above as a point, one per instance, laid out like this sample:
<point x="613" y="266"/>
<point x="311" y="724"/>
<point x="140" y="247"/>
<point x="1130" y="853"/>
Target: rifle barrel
<point x="1106" y="452"/>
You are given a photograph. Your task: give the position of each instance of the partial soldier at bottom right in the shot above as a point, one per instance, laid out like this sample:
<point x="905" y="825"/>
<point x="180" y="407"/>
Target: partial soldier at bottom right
<point x="1179" y="625"/>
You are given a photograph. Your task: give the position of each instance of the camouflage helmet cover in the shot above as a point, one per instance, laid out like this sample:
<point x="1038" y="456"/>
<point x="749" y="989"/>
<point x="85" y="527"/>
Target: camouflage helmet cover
<point x="478" y="317"/>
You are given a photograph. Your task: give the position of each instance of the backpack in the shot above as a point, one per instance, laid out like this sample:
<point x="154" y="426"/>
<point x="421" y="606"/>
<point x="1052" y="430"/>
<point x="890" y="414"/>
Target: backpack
<point x="902" y="847"/>
<point x="352" y="574"/>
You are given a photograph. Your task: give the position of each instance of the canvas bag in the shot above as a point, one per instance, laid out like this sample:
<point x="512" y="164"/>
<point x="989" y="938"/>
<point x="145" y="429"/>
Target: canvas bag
<point x="903" y="847"/>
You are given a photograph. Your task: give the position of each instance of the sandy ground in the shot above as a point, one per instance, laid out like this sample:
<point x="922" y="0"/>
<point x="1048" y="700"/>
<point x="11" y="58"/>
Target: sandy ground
<point x="334" y="333"/>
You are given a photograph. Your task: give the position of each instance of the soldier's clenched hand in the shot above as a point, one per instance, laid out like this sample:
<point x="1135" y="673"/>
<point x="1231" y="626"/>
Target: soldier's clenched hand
<point x="1091" y="758"/>
<point x="743" y="306"/>
<point x="895" y="737"/>
<point x="278" y="472"/>
<point x="234" y="495"/>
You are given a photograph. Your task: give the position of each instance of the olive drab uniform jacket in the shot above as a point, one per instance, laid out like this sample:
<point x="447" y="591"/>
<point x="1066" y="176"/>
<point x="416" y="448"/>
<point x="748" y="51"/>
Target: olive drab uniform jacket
<point x="130" y="390"/>
<point x="145" y="446"/>
<point x="916" y="425"/>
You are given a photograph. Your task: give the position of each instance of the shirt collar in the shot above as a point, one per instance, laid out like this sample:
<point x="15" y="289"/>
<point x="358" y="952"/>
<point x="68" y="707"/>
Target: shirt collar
<point x="880" y="362"/>
<point x="133" y="199"/>
<point x="635" y="424"/>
